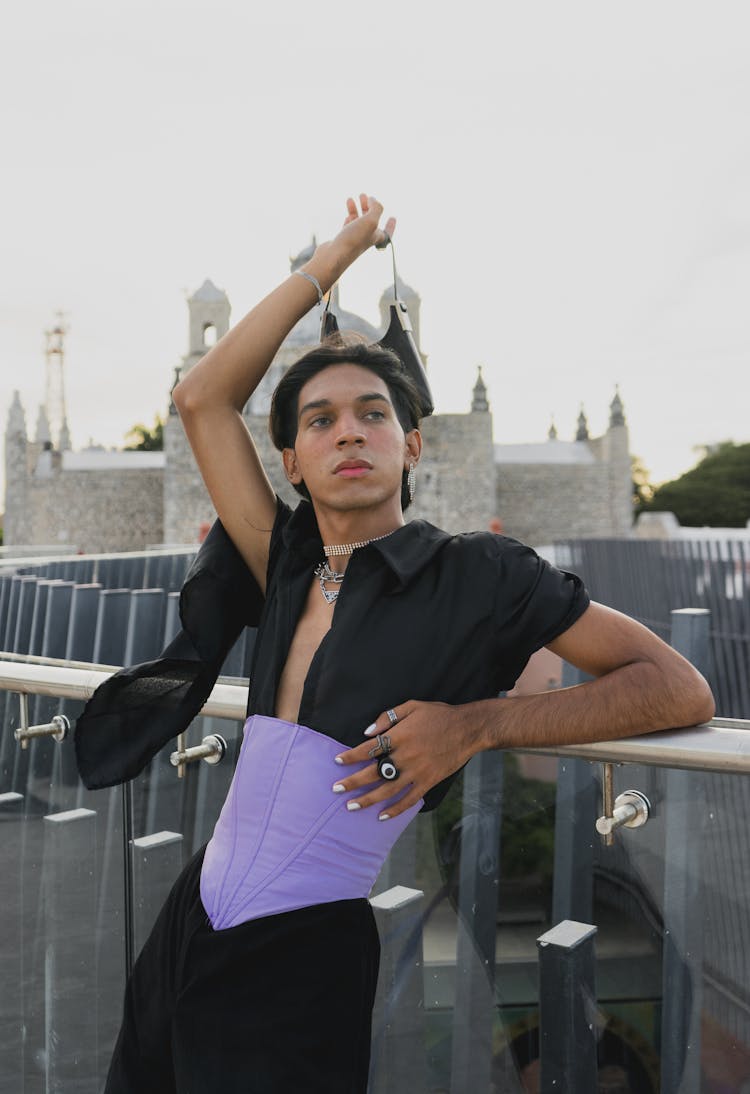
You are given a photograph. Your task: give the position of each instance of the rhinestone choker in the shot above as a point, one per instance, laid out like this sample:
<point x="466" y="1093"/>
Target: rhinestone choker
<point x="347" y="548"/>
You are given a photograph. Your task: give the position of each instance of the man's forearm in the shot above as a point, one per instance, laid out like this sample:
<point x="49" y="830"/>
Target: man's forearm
<point x="633" y="699"/>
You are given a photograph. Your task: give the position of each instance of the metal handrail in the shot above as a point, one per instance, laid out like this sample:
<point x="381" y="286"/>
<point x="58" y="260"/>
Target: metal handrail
<point x="721" y="745"/>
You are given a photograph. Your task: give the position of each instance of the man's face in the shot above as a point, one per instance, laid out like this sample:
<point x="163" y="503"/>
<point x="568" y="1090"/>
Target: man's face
<point x="350" y="449"/>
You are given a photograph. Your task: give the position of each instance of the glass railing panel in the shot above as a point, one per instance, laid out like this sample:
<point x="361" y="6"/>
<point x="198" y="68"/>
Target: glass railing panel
<point x="461" y="904"/>
<point x="61" y="915"/>
<point x="174" y="816"/>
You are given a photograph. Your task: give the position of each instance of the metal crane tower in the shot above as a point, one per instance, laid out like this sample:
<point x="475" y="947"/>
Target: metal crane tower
<point x="54" y="398"/>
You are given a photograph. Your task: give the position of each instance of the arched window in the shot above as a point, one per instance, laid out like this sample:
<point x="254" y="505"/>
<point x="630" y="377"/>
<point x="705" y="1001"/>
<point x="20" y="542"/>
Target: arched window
<point x="209" y="334"/>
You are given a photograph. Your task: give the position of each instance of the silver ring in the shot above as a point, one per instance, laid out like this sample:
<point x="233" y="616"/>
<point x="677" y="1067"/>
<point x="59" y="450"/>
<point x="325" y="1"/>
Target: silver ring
<point x="383" y="242"/>
<point x="392" y="717"/>
<point x="387" y="769"/>
<point x="383" y="747"/>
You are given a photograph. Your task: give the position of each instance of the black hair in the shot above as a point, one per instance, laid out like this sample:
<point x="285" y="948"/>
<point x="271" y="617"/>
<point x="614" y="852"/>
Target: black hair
<point x="346" y="349"/>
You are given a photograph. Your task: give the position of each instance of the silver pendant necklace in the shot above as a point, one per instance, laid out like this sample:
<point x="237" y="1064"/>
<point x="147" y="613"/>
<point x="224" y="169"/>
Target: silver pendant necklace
<point x="324" y="574"/>
<point x="323" y="571"/>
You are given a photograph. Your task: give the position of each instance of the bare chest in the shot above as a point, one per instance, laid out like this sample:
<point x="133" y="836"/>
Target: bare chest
<point x="313" y="625"/>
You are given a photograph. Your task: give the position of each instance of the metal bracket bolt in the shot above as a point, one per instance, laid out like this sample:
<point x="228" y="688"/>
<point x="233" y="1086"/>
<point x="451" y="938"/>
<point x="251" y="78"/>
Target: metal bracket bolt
<point x="58" y="728"/>
<point x="211" y="750"/>
<point x="631" y="810"/>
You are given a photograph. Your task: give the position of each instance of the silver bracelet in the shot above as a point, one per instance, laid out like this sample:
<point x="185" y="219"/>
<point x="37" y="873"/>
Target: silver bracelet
<point x="313" y="281"/>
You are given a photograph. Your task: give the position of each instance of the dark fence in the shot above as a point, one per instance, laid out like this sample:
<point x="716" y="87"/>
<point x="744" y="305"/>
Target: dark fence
<point x="647" y="579"/>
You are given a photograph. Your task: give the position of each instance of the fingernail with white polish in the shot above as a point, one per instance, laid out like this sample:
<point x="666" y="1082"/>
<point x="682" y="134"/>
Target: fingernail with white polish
<point x="339" y="759"/>
<point x="338" y="788"/>
<point x="384" y="816"/>
<point x="353" y="805"/>
<point x="370" y="730"/>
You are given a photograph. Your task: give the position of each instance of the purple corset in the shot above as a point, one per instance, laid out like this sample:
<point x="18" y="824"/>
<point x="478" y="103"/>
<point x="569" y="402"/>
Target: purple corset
<point x="284" y="840"/>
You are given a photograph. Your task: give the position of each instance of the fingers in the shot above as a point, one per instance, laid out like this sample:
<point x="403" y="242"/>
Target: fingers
<point x="370" y="206"/>
<point x="384" y="721"/>
<point x="379" y="793"/>
<point x="378" y="790"/>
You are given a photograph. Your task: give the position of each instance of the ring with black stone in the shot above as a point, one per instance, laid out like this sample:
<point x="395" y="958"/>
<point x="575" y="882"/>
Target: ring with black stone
<point x="387" y="769"/>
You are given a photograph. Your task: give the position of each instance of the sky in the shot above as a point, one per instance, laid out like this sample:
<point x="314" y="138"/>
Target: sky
<point x="570" y="180"/>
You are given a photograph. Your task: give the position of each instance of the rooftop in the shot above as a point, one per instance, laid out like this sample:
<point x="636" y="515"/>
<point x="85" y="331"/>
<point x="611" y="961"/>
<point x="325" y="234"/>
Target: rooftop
<point x="98" y="460"/>
<point x="552" y="451"/>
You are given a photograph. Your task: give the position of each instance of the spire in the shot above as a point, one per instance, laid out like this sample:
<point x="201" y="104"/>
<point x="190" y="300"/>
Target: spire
<point x="479" y="404"/>
<point x="582" y="433"/>
<point x="552" y="431"/>
<point x="16" y="417"/>
<point x="616" y="414"/>
<point x="64" y="442"/>
<point x="42" y="426"/>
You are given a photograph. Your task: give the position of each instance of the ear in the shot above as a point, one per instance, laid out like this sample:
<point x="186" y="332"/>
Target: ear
<point x="413" y="447"/>
<point x="291" y="467"/>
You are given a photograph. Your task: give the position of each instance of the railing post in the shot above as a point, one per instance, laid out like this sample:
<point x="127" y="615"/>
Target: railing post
<point x="11" y="609"/>
<point x="157" y="860"/>
<point x="398" y="1064"/>
<point x="145" y="625"/>
<point x="575" y="816"/>
<point x="26" y="598"/>
<point x="682" y="962"/>
<point x="54" y="639"/>
<point x="12" y="948"/>
<point x="567" y="1009"/>
<point x="70" y="967"/>
<point x="83" y="611"/>
<point x="111" y="625"/>
<point x="38" y="618"/>
<point x="475" y="1006"/>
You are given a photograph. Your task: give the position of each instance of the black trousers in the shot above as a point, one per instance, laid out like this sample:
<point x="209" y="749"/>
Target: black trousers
<point x="273" y="1006"/>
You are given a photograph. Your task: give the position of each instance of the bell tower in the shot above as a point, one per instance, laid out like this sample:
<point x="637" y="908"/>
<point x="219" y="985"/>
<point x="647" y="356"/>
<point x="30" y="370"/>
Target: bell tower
<point x="209" y="321"/>
<point x="187" y="505"/>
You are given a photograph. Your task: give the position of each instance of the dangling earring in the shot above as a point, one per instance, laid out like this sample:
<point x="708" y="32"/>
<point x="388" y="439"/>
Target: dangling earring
<point x="411" y="481"/>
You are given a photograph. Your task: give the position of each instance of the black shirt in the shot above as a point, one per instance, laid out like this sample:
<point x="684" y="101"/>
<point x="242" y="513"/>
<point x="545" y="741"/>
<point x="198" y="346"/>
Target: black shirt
<point x="421" y="614"/>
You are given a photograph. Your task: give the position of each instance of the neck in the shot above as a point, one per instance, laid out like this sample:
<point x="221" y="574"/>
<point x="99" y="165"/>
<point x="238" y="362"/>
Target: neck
<point x="341" y="529"/>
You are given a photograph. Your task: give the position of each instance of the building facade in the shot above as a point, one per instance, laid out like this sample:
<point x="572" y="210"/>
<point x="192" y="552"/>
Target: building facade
<point x="115" y="500"/>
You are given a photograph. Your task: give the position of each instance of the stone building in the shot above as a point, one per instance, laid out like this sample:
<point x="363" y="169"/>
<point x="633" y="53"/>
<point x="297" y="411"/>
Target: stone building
<point x="107" y="501"/>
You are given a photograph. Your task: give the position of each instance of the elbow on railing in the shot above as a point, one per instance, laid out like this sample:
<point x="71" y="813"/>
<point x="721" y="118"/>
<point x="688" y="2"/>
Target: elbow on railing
<point x="694" y="699"/>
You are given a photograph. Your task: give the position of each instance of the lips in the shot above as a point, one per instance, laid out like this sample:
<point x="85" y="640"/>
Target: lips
<point x="351" y="469"/>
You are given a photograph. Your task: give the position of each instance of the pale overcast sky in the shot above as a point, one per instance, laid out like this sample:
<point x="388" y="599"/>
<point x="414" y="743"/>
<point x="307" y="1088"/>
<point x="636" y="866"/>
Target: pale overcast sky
<point x="571" y="182"/>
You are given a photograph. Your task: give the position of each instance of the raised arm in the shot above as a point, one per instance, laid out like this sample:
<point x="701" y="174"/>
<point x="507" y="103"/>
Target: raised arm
<point x="211" y="398"/>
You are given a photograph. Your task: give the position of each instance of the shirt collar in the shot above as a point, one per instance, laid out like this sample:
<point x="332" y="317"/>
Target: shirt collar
<point x="406" y="551"/>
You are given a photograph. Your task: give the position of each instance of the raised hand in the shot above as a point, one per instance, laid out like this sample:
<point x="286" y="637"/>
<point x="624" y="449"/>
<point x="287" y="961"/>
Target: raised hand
<point x="361" y="228"/>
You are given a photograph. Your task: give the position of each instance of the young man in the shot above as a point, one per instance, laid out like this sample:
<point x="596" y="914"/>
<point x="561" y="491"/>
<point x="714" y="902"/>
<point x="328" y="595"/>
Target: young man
<point x="381" y="648"/>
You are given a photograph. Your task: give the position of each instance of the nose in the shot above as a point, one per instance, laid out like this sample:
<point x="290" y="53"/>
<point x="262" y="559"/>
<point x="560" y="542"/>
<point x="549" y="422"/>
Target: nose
<point x="350" y="432"/>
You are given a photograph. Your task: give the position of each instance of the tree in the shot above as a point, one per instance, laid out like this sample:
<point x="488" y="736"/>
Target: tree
<point x="144" y="439"/>
<point x="643" y="490"/>
<point x="715" y="492"/>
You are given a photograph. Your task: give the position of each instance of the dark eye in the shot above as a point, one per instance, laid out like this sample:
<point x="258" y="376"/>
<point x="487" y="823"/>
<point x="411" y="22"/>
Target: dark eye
<point x="322" y="419"/>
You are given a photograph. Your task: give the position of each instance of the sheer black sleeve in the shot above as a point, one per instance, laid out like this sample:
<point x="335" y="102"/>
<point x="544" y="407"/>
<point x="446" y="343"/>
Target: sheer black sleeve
<point x="138" y="710"/>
